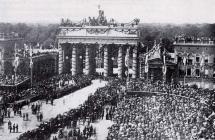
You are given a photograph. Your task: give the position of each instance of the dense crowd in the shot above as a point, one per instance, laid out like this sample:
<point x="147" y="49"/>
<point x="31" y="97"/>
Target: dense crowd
<point x="49" y="89"/>
<point x="89" y="112"/>
<point x="178" y="114"/>
<point x="161" y="117"/>
<point x="174" y="112"/>
<point x="168" y="88"/>
<point x="11" y="80"/>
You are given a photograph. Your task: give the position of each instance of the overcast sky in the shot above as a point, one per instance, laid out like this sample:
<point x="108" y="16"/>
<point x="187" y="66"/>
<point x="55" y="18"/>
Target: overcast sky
<point x="148" y="11"/>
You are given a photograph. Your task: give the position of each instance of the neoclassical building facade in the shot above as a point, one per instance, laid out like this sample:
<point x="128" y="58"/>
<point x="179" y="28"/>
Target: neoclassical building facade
<point x="95" y="45"/>
<point x="98" y="46"/>
<point x="195" y="58"/>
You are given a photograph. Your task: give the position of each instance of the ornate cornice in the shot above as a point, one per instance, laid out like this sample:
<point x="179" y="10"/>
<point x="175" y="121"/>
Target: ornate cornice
<point x="99" y="40"/>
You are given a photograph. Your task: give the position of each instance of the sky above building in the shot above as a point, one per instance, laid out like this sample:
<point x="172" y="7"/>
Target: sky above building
<point x="148" y="11"/>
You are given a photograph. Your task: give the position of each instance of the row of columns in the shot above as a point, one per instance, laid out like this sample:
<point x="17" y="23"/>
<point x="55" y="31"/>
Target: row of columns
<point x="60" y="59"/>
<point x="106" y="62"/>
<point x="120" y="62"/>
<point x="134" y="63"/>
<point x="74" y="60"/>
<point x="90" y="61"/>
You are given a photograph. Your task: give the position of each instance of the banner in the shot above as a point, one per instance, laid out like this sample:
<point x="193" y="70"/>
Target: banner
<point x="154" y="53"/>
<point x="184" y="60"/>
<point x="142" y="44"/>
<point x="16" y="62"/>
<point x="146" y="64"/>
<point x="31" y="63"/>
<point x="164" y="69"/>
<point x="127" y="58"/>
<point x="202" y="61"/>
<point x="164" y="63"/>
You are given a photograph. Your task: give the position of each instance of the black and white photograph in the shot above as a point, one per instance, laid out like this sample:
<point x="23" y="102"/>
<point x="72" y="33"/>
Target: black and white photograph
<point x="107" y="69"/>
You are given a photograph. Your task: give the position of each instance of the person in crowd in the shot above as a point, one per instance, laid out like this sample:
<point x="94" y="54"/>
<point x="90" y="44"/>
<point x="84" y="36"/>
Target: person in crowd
<point x="9" y="124"/>
<point x="17" y="128"/>
<point x="14" y="127"/>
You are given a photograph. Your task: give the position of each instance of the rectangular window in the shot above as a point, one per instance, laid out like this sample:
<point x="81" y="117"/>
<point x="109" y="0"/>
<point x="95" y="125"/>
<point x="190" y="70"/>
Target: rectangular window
<point x="190" y="61"/>
<point x="179" y="59"/>
<point x="197" y="72"/>
<point x="197" y="59"/>
<point x="188" y="72"/>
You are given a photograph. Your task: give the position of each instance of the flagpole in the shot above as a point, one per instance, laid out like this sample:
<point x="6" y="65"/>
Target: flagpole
<point x="31" y="65"/>
<point x="15" y="64"/>
<point x="164" y="67"/>
<point x="15" y="67"/>
<point x="31" y="77"/>
<point x="185" y="65"/>
<point x="127" y="57"/>
<point x="147" y="74"/>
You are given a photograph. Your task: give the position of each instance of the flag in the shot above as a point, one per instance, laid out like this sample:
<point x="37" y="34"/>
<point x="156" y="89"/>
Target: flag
<point x="127" y="58"/>
<point x="154" y="53"/>
<point x="164" y="63"/>
<point x="38" y="45"/>
<point x="16" y="59"/>
<point x="16" y="62"/>
<point x="146" y="64"/>
<point x="25" y="50"/>
<point x="31" y="51"/>
<point x="31" y="63"/>
<point x="202" y="62"/>
<point x="25" y="46"/>
<point x="184" y="60"/>
<point x="142" y="44"/>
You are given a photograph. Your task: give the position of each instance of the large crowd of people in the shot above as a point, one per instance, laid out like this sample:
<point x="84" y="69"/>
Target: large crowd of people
<point x="12" y="80"/>
<point x="161" y="117"/>
<point x="90" y="111"/>
<point x="173" y="111"/>
<point x="49" y="89"/>
<point x="181" y="113"/>
<point x="169" y="88"/>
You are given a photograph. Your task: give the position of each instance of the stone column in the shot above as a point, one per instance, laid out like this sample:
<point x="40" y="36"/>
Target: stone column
<point x="79" y="60"/>
<point x="105" y="61"/>
<point x="134" y="64"/>
<point x="120" y="63"/>
<point x="92" y="60"/>
<point x="87" y="61"/>
<point x="60" y="59"/>
<point x="110" y="60"/>
<point x="73" y="70"/>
